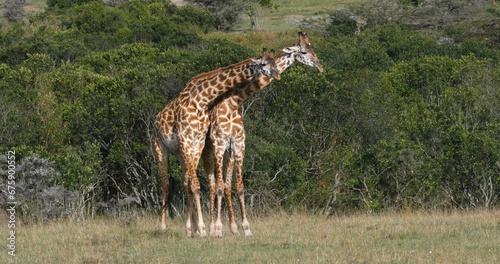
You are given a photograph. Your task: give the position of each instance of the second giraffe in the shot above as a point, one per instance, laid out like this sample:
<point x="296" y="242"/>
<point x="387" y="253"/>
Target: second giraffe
<point x="225" y="145"/>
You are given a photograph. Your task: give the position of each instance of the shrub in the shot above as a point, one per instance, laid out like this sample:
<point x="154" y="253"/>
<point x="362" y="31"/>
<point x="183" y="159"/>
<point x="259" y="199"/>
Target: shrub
<point x="67" y="3"/>
<point x="37" y="197"/>
<point x="343" y="23"/>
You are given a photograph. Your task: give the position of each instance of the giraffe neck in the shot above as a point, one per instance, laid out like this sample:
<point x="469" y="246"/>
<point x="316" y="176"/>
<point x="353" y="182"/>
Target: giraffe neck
<point x="206" y="87"/>
<point x="240" y="94"/>
<point x="284" y="60"/>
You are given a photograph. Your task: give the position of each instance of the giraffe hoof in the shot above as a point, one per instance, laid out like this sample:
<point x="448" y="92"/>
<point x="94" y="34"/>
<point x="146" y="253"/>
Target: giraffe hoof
<point x="201" y="232"/>
<point x="234" y="229"/>
<point x="218" y="229"/>
<point x="248" y="233"/>
<point x="189" y="231"/>
<point x="212" y="230"/>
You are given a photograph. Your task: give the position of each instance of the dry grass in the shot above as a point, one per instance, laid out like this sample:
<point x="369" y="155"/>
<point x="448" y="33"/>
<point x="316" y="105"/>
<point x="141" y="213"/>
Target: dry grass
<point x="472" y="237"/>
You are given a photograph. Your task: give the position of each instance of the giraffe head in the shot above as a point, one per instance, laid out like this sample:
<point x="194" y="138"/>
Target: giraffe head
<point x="304" y="53"/>
<point x="266" y="66"/>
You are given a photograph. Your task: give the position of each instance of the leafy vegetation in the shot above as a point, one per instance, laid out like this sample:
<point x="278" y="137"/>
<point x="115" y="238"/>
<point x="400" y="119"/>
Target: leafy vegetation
<point x="403" y="117"/>
<point x="227" y="12"/>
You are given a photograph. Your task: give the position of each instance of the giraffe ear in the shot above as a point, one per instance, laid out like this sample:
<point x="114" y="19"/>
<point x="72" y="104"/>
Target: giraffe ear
<point x="291" y="49"/>
<point x="255" y="61"/>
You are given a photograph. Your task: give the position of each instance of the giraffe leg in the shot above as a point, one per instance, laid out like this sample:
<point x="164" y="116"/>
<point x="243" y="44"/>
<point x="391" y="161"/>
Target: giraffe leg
<point x="189" y="228"/>
<point x="162" y="159"/>
<point x="195" y="190"/>
<point x="240" y="189"/>
<point x="228" y="174"/>
<point x="219" y="185"/>
<point x="208" y="161"/>
<point x="187" y="189"/>
<point x="191" y="156"/>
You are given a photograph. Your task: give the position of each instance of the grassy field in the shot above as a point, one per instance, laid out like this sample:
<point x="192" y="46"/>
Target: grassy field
<point x="472" y="237"/>
<point x="288" y="13"/>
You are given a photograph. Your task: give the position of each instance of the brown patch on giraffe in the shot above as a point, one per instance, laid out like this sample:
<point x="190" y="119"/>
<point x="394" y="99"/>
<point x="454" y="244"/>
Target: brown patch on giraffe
<point x="198" y="89"/>
<point x="222" y="78"/>
<point x="205" y="93"/>
<point x="237" y="129"/>
<point x="234" y="67"/>
<point x="222" y="111"/>
<point x="199" y="98"/>
<point x="222" y="119"/>
<point x="213" y="92"/>
<point x="224" y="126"/>
<point x="220" y="86"/>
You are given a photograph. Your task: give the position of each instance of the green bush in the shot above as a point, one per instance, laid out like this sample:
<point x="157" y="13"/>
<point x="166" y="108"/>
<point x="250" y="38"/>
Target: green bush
<point x="275" y="173"/>
<point x="342" y="24"/>
<point x="67" y="3"/>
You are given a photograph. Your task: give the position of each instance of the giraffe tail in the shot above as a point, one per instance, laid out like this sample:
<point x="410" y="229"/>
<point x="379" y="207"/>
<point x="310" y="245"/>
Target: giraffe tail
<point x="169" y="205"/>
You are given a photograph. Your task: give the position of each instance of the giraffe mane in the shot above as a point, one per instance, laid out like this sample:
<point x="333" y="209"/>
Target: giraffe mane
<point x="229" y="93"/>
<point x="218" y="71"/>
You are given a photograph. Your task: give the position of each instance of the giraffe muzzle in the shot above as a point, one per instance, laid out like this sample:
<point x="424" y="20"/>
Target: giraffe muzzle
<point x="319" y="67"/>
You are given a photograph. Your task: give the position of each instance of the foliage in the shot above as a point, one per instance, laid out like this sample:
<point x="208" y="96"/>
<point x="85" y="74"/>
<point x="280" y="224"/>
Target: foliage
<point x="342" y="22"/>
<point x="67" y="3"/>
<point x="37" y="196"/>
<point x="227" y="12"/>
<point x="14" y="10"/>
<point x="251" y="8"/>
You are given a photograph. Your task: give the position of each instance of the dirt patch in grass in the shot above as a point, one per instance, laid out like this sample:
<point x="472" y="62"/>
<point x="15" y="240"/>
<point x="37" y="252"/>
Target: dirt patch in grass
<point x="32" y="8"/>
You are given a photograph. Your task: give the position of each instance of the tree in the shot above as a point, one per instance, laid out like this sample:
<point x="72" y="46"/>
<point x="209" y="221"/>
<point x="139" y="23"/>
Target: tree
<point x="227" y="12"/>
<point x="14" y="10"/>
<point x="66" y="3"/>
<point x="252" y="8"/>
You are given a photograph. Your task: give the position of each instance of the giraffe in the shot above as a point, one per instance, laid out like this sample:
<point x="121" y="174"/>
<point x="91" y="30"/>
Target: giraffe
<point x="180" y="128"/>
<point x="225" y="143"/>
